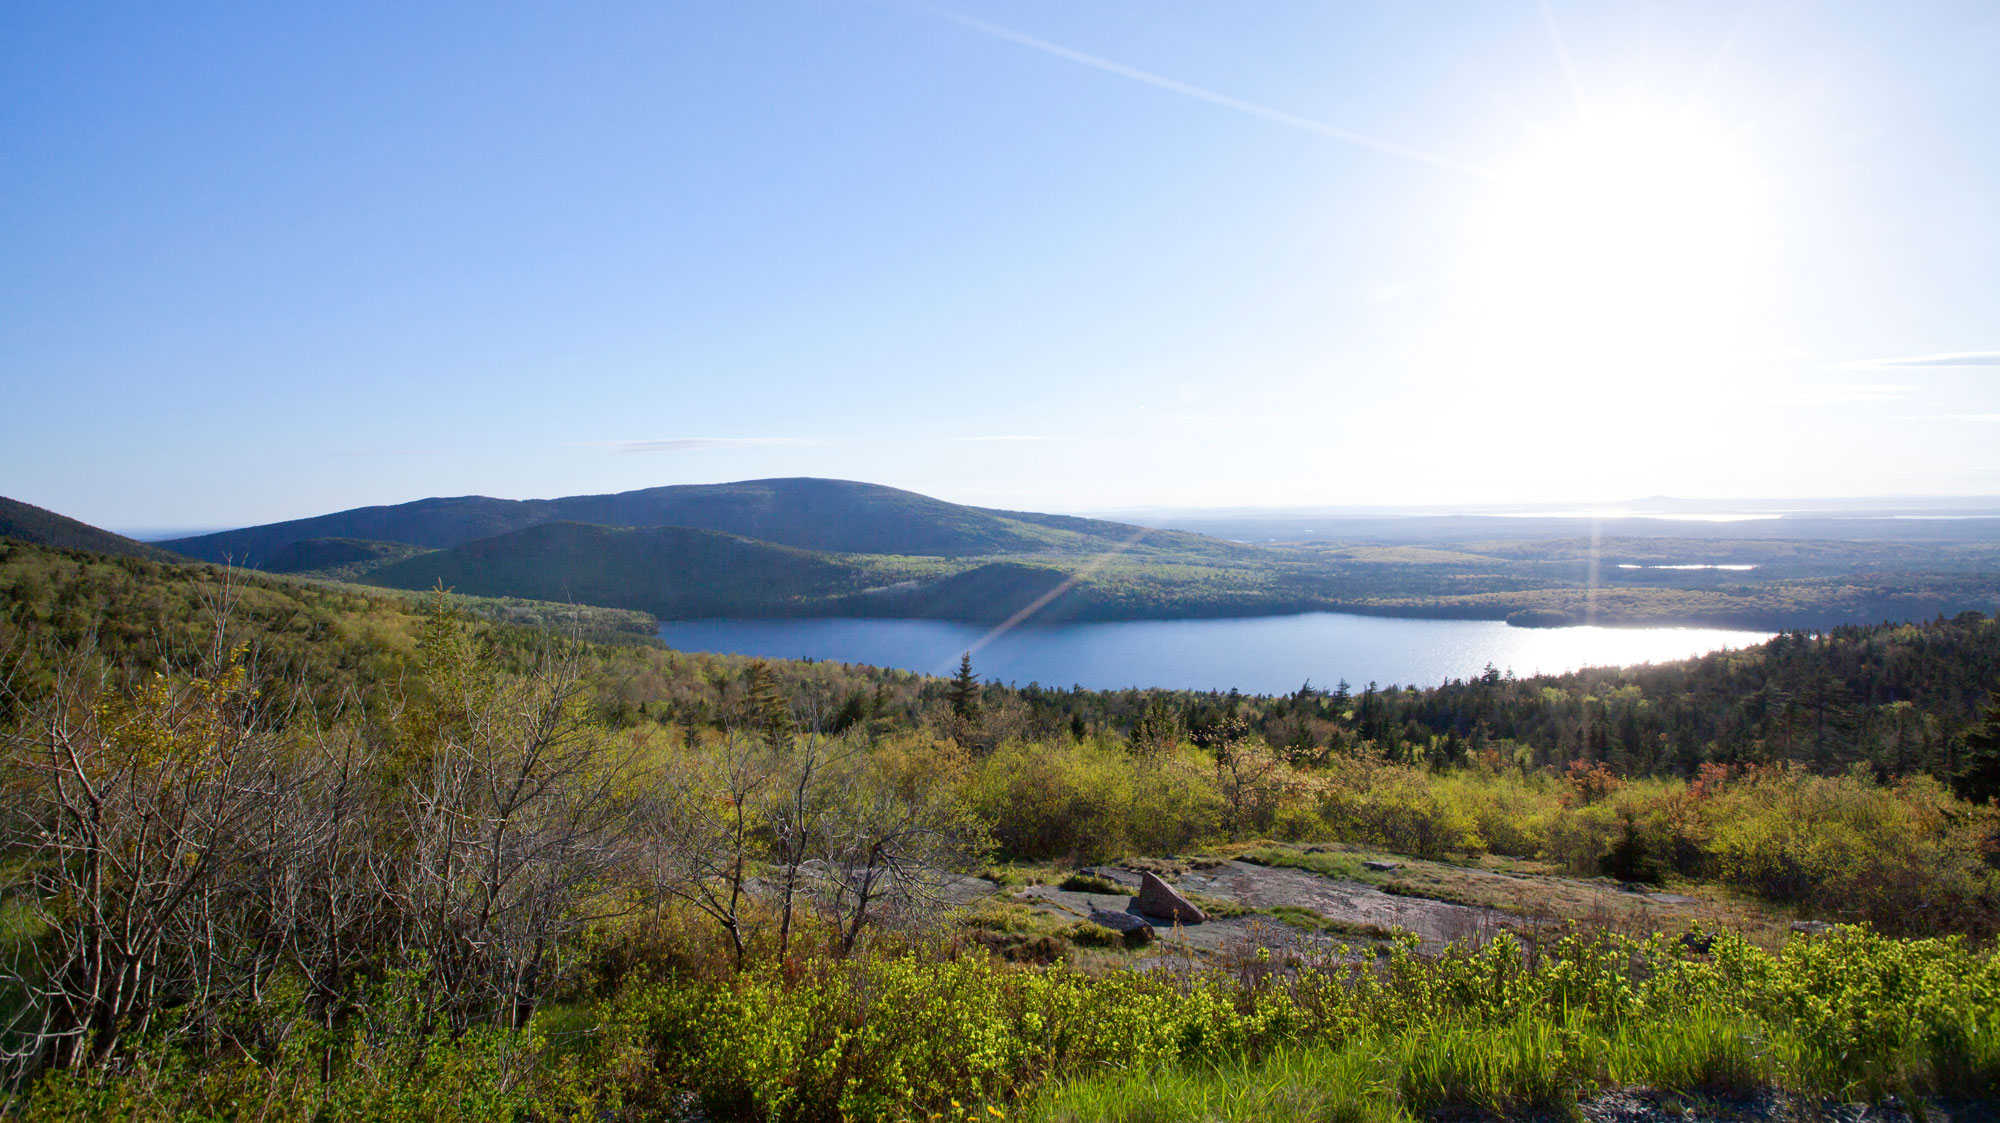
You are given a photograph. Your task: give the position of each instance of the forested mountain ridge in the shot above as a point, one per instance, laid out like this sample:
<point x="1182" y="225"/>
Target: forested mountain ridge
<point x="879" y="551"/>
<point x="837" y="516"/>
<point x="26" y="522"/>
<point x="669" y="571"/>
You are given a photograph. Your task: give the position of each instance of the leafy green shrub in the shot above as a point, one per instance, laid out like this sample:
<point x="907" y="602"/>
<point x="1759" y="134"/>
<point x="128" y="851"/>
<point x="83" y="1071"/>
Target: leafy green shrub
<point x="1394" y="807"/>
<point x="1907" y="856"/>
<point x="1087" y="802"/>
<point x="901" y="1038"/>
<point x="1854" y="1015"/>
<point x="1511" y="812"/>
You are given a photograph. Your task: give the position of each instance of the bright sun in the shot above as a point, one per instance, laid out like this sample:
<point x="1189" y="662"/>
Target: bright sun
<point x="1633" y="233"/>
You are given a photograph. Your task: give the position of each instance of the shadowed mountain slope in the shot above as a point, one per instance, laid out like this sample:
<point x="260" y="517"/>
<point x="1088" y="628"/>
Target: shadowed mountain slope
<point x="29" y="523"/>
<point x="425" y="522"/>
<point x="813" y="514"/>
<point x="332" y="556"/>
<point x="669" y="571"/>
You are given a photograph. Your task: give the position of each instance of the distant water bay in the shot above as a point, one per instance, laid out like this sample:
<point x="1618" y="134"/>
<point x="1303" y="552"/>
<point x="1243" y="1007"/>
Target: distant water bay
<point x="1258" y="655"/>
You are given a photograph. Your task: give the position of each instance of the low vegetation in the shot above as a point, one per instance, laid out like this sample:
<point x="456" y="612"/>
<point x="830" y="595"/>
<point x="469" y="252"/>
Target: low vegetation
<point x="278" y="848"/>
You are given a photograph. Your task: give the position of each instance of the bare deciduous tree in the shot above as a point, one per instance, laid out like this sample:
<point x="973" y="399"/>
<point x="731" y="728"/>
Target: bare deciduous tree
<point x="888" y="851"/>
<point x="512" y="815"/>
<point x="133" y="815"/>
<point x="179" y="843"/>
<point x="703" y="829"/>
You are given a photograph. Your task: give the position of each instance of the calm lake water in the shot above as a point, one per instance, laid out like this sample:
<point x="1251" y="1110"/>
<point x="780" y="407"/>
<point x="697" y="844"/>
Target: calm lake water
<point x="1258" y="655"/>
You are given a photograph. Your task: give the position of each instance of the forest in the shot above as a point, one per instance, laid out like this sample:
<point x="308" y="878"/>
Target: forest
<point x="286" y="848"/>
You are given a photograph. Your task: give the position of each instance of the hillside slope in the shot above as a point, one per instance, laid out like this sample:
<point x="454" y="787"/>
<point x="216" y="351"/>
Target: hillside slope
<point x="810" y="514"/>
<point x="669" y="571"/>
<point x="26" y="522"/>
<point x="425" y="522"/>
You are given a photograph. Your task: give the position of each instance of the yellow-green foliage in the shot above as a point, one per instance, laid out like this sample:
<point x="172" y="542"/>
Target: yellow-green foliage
<point x="908" y="1037"/>
<point x="1511" y="811"/>
<point x="1088" y="801"/>
<point x="1394" y="807"/>
<point x="1852" y="1015"/>
<point x="1907" y="854"/>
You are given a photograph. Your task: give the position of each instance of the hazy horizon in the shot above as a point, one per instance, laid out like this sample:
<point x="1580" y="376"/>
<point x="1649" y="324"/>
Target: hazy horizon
<point x="1657" y="507"/>
<point x="270" y="263"/>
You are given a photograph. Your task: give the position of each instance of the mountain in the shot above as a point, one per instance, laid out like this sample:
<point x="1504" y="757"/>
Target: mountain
<point x="336" y="557"/>
<point x="669" y="571"/>
<point x="29" y="523"/>
<point x="842" y="516"/>
<point x="426" y="522"/>
<point x="783" y="547"/>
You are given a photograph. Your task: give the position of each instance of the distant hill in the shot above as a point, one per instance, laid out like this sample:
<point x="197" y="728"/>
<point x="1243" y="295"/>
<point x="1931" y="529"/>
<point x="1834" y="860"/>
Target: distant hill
<point x="990" y="592"/>
<point x="29" y="523"/>
<point x="782" y="547"/>
<point x="669" y="571"/>
<point x="331" y="556"/>
<point x="426" y="522"/>
<point x="810" y="514"/>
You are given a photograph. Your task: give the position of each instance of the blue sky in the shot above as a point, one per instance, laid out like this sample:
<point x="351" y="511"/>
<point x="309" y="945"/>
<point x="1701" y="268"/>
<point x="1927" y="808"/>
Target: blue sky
<point x="269" y="260"/>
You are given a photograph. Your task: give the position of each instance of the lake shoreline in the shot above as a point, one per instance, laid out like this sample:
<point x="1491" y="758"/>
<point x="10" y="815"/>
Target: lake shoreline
<point x="1262" y="654"/>
<point x="1515" y="617"/>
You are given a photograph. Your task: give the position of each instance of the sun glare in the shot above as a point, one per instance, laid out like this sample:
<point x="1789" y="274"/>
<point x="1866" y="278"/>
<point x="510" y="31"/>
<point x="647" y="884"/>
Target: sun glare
<point x="1632" y="233"/>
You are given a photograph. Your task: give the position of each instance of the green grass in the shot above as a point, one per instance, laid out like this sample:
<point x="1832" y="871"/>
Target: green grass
<point x="1091" y="883"/>
<point x="1311" y="921"/>
<point x="1303" y="1085"/>
<point x="1702" y="1051"/>
<point x="1528" y="1064"/>
<point x="1327" y="863"/>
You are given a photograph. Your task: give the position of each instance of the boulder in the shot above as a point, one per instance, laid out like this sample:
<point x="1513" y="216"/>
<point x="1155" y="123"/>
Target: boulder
<point x="1158" y="899"/>
<point x="1811" y="927"/>
<point x="1382" y="867"/>
<point x="1129" y="925"/>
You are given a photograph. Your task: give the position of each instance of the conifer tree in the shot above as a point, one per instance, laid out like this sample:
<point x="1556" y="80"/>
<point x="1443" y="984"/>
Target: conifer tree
<point x="1978" y="777"/>
<point x="964" y="691"/>
<point x="764" y="706"/>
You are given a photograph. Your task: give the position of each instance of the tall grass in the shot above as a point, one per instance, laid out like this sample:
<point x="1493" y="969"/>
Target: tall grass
<point x="1294" y="1085"/>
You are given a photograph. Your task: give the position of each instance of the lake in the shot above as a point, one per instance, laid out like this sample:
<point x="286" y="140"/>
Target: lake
<point x="1257" y="655"/>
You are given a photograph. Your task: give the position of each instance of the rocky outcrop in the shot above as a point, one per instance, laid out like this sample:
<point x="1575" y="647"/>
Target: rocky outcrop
<point x="1160" y="900"/>
<point x="1129" y="925"/>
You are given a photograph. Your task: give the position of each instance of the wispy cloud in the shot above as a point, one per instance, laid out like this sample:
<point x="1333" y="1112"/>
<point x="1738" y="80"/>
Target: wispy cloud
<point x="1966" y="417"/>
<point x="1007" y="437"/>
<point x="1835" y="393"/>
<point x="1952" y="359"/>
<point x="695" y="444"/>
<point x="1200" y="94"/>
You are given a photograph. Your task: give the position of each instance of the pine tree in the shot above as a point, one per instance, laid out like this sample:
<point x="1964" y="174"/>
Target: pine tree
<point x="764" y="707"/>
<point x="964" y="691"/>
<point x="1978" y="777"/>
<point x="1157" y="729"/>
